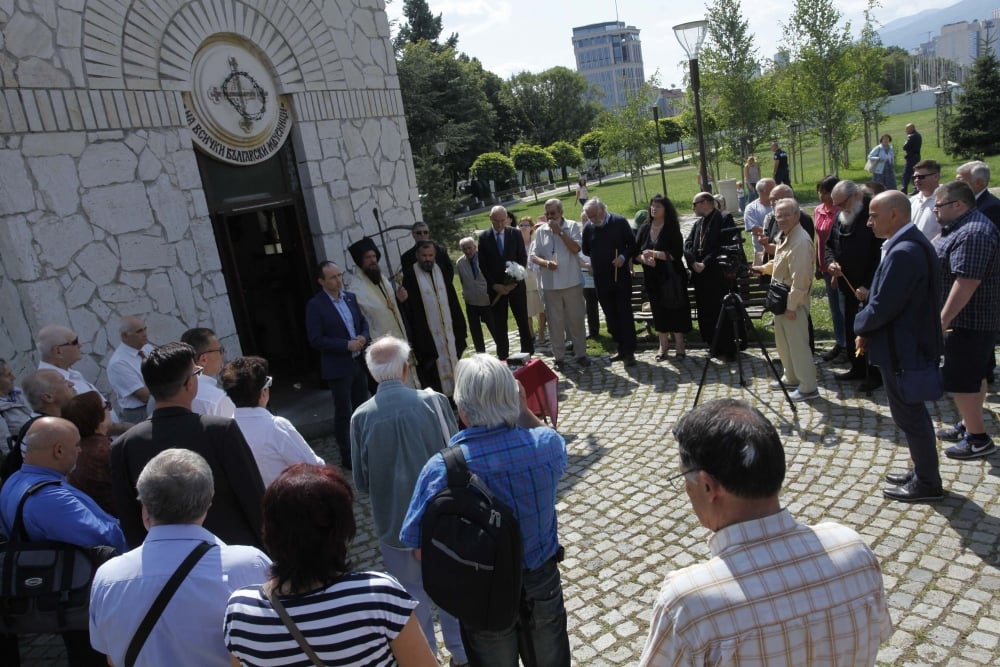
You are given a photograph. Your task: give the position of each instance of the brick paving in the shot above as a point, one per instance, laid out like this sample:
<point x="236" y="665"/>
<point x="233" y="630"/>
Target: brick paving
<point x="624" y="528"/>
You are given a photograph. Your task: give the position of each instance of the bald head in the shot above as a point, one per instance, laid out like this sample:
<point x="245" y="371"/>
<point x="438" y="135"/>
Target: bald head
<point x="888" y="212"/>
<point x="386" y="359"/>
<point x="780" y="192"/>
<point x="58" y="345"/>
<point x="52" y="442"/>
<point x="47" y="391"/>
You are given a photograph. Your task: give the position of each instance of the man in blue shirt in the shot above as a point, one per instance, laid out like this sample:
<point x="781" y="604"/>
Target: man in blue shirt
<point x="175" y="489"/>
<point x="59" y="512"/>
<point x="521" y="461"/>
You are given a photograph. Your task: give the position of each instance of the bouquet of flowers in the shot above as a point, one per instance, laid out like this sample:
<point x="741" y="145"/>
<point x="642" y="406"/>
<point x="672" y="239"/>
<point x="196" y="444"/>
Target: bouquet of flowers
<point x="513" y="274"/>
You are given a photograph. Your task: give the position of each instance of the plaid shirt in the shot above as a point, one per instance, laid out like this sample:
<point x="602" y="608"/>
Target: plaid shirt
<point x="520" y="466"/>
<point x="776" y="592"/>
<point x="970" y="248"/>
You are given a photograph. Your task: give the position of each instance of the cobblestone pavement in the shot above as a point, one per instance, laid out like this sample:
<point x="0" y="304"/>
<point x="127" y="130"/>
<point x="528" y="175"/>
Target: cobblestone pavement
<point x="624" y="528"/>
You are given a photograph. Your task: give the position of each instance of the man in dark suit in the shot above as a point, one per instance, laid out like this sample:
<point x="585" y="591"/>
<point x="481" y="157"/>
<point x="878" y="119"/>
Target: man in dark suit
<point x="171" y="376"/>
<point x="901" y="330"/>
<point x="337" y="329"/>
<point x="497" y="246"/>
<point x="911" y="153"/>
<point x="609" y="242"/>
<point x="977" y="175"/>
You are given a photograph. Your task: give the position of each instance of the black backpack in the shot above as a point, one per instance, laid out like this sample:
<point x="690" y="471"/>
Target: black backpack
<point x="471" y="555"/>
<point x="13" y="461"/>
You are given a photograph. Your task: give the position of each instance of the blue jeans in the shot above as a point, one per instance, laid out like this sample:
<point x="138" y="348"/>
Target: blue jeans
<point x="836" y="301"/>
<point x="402" y="564"/>
<point x="539" y="635"/>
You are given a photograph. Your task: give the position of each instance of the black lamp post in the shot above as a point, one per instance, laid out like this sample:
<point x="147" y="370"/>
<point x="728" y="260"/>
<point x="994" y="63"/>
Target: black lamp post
<point x="691" y="35"/>
<point x="659" y="147"/>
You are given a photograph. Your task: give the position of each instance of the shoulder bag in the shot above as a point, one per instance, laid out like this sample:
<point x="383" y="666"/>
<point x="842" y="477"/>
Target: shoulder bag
<point x="162" y="600"/>
<point x="45" y="585"/>
<point x="672" y="291"/>
<point x="776" y="300"/>
<point x="292" y="628"/>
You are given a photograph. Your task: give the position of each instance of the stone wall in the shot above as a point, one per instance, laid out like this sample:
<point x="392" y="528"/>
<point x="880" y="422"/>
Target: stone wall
<point x="102" y="211"/>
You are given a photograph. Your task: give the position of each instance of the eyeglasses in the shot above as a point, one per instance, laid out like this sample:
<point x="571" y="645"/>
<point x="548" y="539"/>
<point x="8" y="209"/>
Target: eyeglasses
<point x="422" y="232"/>
<point x="940" y="205"/>
<point x="107" y="406"/>
<point x="222" y="350"/>
<point x="525" y="225"/>
<point x="139" y="331"/>
<point x="918" y="177"/>
<point x="675" y="480"/>
<point x="74" y="342"/>
<point x="267" y="383"/>
<point x="197" y="371"/>
<point x="698" y="201"/>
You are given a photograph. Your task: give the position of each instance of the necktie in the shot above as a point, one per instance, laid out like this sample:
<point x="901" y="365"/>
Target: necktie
<point x="142" y="355"/>
<point x="475" y="267"/>
<point x="500" y="241"/>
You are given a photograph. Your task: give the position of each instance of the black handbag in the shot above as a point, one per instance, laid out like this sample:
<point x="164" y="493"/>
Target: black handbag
<point x="672" y="290"/>
<point x="45" y="586"/>
<point x="776" y="300"/>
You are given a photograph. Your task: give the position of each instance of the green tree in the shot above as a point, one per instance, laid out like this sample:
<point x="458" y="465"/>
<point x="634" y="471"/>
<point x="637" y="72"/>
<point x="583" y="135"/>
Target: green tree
<point x="812" y="87"/>
<point x="565" y="155"/>
<point x="557" y="104"/>
<point x="531" y="159"/>
<point x="864" y="88"/>
<point x="421" y="25"/>
<point x="592" y="146"/>
<point x="627" y="134"/>
<point x="495" y="167"/>
<point x="972" y="131"/>
<point x="896" y="77"/>
<point x="729" y="72"/>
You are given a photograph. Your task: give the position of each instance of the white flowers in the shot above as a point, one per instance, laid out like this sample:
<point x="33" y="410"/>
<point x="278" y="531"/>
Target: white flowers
<point x="514" y="273"/>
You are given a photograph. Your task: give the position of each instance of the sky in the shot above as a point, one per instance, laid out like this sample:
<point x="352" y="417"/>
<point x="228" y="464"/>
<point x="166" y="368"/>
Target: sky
<point x="511" y="36"/>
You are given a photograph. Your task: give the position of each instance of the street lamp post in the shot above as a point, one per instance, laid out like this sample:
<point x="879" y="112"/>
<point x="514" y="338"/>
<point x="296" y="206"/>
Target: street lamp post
<point x="659" y="147"/>
<point x="691" y="35"/>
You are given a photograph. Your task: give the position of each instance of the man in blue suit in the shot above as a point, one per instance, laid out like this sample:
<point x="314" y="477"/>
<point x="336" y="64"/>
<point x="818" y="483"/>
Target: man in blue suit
<point x="903" y="312"/>
<point x="337" y="329"/>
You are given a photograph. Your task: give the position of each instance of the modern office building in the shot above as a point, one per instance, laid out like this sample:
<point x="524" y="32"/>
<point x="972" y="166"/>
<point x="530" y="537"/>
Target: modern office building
<point x="610" y="56"/>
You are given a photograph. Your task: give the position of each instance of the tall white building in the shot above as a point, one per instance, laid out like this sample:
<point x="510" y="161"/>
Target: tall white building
<point x="609" y="55"/>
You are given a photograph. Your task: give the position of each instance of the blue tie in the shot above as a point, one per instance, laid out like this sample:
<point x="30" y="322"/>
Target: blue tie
<point x="500" y="242"/>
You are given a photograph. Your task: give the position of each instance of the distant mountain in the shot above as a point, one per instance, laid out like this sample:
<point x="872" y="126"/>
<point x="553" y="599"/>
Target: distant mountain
<point x="909" y="32"/>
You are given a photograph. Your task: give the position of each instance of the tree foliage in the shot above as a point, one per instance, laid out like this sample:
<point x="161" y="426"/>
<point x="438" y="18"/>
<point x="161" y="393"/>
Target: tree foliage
<point x="864" y="88"/>
<point x="670" y="130"/>
<point x="566" y="155"/>
<point x="421" y="25"/>
<point x="557" y="104"/>
<point x="973" y="131"/>
<point x="627" y="133"/>
<point x="495" y="167"/>
<point x="730" y="87"/>
<point x="531" y="159"/>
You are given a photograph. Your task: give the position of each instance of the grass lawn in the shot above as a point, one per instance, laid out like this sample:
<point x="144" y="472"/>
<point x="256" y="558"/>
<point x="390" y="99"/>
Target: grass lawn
<point x="619" y="195"/>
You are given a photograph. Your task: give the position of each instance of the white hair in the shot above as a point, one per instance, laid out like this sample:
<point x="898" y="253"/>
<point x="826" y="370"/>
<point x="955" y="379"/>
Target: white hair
<point x="386" y="358"/>
<point x="49" y="337"/>
<point x="486" y="391"/>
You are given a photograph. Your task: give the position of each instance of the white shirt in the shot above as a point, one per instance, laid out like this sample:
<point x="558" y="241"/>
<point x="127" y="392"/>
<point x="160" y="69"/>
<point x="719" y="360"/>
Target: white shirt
<point x="211" y="400"/>
<point x="125" y="374"/>
<point x="922" y="215"/>
<point x="550" y="246"/>
<point x="753" y="216"/>
<point x="274" y="442"/>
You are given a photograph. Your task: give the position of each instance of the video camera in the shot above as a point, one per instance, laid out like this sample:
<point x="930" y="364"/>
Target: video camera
<point x="731" y="257"/>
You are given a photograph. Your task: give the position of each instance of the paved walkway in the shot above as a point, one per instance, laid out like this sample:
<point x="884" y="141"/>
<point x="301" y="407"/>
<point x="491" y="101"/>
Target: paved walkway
<point x="624" y="528"/>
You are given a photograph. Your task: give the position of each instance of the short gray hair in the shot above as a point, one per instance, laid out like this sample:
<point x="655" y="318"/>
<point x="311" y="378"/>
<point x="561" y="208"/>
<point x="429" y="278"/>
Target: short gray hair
<point x="127" y="322"/>
<point x="555" y="201"/>
<point x="386" y="358"/>
<point x="50" y="336"/>
<point x="466" y="241"/>
<point x="957" y="191"/>
<point x="595" y="202"/>
<point x="176" y="487"/>
<point x="44" y="381"/>
<point x="764" y="184"/>
<point x="846" y="188"/>
<point x="978" y="170"/>
<point x="486" y="391"/>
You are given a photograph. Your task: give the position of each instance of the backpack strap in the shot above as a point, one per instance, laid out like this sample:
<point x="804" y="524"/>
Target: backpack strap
<point x="18" y="533"/>
<point x="162" y="600"/>
<point x="454" y="463"/>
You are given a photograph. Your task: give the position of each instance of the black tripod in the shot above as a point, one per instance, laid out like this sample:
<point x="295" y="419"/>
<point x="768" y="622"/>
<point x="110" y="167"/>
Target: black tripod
<point x="735" y="313"/>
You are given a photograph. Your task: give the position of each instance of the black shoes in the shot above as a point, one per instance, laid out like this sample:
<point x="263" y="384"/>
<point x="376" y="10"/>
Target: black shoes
<point x="853" y="374"/>
<point x="617" y="356"/>
<point x="583" y="361"/>
<point x="913" y="492"/>
<point x="872" y="383"/>
<point x="832" y="353"/>
<point x="899" y="479"/>
<point x="629" y="361"/>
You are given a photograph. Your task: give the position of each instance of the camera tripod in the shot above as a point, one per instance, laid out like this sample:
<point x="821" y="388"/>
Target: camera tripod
<point x="734" y="312"/>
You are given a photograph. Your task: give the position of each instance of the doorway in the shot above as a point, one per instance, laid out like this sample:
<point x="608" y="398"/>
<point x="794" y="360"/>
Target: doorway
<point x="267" y="257"/>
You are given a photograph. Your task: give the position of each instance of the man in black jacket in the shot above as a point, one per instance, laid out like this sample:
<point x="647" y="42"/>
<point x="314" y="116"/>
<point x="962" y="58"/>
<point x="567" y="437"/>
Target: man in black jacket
<point x="852" y="255"/>
<point x="609" y="242"/>
<point x="172" y="378"/>
<point x="498" y="245"/>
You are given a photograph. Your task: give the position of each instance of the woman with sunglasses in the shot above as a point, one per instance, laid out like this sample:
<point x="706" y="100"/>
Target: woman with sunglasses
<point x="91" y="414"/>
<point x="273" y="440"/>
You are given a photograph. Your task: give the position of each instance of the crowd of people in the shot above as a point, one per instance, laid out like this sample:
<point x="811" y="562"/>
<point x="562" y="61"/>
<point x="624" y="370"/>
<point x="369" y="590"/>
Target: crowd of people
<point x="192" y="466"/>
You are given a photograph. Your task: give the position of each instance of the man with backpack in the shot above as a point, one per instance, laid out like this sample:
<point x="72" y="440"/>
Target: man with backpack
<point x="519" y="461"/>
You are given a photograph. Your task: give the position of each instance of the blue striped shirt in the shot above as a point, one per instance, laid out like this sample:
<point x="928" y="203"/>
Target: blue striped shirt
<point x="520" y="466"/>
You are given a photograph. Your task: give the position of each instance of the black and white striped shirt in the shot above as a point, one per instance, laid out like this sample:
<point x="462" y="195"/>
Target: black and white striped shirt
<point x="351" y="622"/>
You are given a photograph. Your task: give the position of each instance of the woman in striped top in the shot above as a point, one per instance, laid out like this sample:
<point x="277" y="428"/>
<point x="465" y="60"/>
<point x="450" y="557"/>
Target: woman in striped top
<point x="346" y="618"/>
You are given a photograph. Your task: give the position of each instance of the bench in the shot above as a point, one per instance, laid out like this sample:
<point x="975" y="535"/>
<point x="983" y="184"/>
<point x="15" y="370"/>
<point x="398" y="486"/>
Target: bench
<point x="751" y="291"/>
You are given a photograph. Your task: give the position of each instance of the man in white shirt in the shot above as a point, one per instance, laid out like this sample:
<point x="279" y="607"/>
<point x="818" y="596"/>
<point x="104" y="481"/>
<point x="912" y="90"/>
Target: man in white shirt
<point x="775" y="592"/>
<point x="757" y="210"/>
<point x="211" y="356"/>
<point x="125" y="369"/>
<point x="926" y="178"/>
<point x="555" y="248"/>
<point x="59" y="348"/>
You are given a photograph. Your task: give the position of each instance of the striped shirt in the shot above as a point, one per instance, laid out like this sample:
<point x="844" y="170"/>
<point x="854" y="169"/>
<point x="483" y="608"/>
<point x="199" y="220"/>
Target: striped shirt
<point x="350" y="622"/>
<point x="776" y="592"/>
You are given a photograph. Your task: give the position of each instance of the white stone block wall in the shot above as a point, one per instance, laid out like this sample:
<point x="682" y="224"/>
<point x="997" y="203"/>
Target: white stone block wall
<point x="102" y="212"/>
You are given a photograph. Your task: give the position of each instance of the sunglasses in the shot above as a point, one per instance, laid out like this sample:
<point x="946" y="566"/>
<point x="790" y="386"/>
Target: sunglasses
<point x="74" y="342"/>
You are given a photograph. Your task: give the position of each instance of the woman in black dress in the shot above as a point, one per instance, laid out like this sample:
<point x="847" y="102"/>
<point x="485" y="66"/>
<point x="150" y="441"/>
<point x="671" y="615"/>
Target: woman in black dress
<point x="658" y="242"/>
